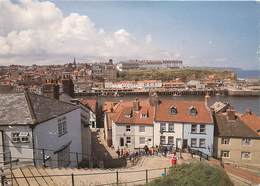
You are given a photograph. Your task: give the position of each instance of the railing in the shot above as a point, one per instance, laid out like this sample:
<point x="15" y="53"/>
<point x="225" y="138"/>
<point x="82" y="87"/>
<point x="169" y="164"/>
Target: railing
<point x="108" y="178"/>
<point x="199" y="153"/>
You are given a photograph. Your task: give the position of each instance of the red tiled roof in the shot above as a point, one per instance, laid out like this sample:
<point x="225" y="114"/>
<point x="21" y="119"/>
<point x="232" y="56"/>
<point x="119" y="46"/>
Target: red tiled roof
<point x="203" y="113"/>
<point x="91" y="103"/>
<point x="119" y="112"/>
<point x="252" y="121"/>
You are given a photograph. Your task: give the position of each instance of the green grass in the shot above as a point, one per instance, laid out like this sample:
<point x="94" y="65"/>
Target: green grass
<point x="194" y="174"/>
<point x="170" y="74"/>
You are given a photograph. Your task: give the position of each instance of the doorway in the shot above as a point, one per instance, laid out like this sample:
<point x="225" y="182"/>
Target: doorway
<point x="122" y="143"/>
<point x="185" y="144"/>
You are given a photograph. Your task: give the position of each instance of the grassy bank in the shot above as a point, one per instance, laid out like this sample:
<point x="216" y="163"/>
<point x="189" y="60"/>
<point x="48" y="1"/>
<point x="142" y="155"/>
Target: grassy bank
<point x="194" y="174"/>
<point x="170" y="74"/>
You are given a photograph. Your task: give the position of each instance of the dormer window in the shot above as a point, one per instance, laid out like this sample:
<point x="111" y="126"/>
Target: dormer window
<point x="173" y="110"/>
<point x="144" y="115"/>
<point x="193" y="111"/>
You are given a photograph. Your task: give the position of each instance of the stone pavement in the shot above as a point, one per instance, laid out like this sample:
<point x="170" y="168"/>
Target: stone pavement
<point x="242" y="173"/>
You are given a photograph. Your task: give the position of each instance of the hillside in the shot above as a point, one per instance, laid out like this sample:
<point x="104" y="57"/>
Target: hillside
<point x="170" y="74"/>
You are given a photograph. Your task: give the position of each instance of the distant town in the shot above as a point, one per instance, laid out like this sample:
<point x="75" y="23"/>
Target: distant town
<point x="133" y="77"/>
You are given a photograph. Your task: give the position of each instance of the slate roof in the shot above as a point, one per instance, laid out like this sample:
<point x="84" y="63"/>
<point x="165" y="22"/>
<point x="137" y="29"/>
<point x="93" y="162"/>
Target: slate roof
<point x="232" y="128"/>
<point x="45" y="108"/>
<point x="14" y="109"/>
<point x="28" y="108"/>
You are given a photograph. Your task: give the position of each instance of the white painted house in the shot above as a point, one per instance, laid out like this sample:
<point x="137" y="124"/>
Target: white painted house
<point x="184" y="124"/>
<point x="131" y="123"/>
<point x="30" y="123"/>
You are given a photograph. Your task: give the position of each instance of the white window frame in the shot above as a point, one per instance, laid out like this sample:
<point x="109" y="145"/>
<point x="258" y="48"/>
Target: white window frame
<point x="193" y="144"/>
<point x="15" y="137"/>
<point x="141" y="128"/>
<point x="204" y="128"/>
<point x="225" y="141"/>
<point x="243" y="157"/>
<point x="128" y="140"/>
<point x="141" y="140"/>
<point x="128" y="128"/>
<point x="200" y="143"/>
<point x="194" y="132"/>
<point x="62" y="126"/>
<point x="226" y="153"/>
<point x="163" y="128"/>
<point x="246" y="141"/>
<point x="20" y="137"/>
<point x="171" y="127"/>
<point x="164" y="139"/>
<point x="171" y="139"/>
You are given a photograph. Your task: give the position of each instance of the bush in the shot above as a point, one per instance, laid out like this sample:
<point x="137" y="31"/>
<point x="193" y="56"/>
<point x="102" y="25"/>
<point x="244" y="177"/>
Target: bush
<point x="194" y="174"/>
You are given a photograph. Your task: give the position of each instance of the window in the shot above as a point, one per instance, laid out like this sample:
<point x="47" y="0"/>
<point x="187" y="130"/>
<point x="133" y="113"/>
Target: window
<point x="144" y="115"/>
<point x="15" y="137"/>
<point x="173" y="110"/>
<point x="202" y="143"/>
<point x="225" y="141"/>
<point x="171" y="127"/>
<point x="224" y="154"/>
<point x="128" y="128"/>
<point x="24" y="137"/>
<point x="193" y="128"/>
<point x="64" y="157"/>
<point x="62" y="126"/>
<point x="193" y="111"/>
<point x="142" y="140"/>
<point x="163" y="127"/>
<point x="246" y="141"/>
<point x="170" y="140"/>
<point x="141" y="128"/>
<point x="202" y="129"/>
<point x="245" y="155"/>
<point x="193" y="142"/>
<point x="162" y="140"/>
<point x="128" y="140"/>
<point x="20" y="137"/>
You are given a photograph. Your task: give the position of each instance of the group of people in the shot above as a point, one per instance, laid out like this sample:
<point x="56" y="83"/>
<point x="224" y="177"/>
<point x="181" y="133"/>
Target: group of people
<point x="152" y="151"/>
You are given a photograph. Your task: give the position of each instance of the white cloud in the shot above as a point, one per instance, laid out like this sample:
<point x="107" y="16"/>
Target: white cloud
<point x="33" y="30"/>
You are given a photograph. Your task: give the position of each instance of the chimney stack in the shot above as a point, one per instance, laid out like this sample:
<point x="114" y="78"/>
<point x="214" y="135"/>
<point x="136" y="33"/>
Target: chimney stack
<point x="67" y="84"/>
<point x="51" y="89"/>
<point x="231" y="114"/>
<point x="207" y="99"/>
<point x="153" y="99"/>
<point x="136" y="105"/>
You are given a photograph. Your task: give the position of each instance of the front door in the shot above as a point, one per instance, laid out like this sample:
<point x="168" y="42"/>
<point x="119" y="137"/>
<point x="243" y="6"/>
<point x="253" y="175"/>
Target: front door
<point x="185" y="144"/>
<point x="122" y="142"/>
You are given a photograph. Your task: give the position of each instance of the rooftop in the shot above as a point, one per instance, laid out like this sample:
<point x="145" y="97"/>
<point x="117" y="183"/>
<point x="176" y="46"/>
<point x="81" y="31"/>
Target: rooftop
<point x="28" y="108"/>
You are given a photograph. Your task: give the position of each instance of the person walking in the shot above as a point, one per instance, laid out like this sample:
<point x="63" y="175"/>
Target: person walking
<point x="174" y="159"/>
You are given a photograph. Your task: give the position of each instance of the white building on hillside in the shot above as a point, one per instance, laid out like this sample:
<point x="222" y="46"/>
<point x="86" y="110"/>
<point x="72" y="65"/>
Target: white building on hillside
<point x="184" y="125"/>
<point x="30" y="123"/>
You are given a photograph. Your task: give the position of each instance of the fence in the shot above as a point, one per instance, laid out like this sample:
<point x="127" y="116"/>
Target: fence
<point x="45" y="157"/>
<point x="82" y="177"/>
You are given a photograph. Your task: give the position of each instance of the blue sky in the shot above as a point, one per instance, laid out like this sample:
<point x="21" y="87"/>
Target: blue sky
<point x="200" y="33"/>
<point x="220" y="34"/>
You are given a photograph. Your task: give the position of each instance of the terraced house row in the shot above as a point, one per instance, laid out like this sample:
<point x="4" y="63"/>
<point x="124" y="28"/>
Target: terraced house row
<point x="218" y="131"/>
<point x="155" y="122"/>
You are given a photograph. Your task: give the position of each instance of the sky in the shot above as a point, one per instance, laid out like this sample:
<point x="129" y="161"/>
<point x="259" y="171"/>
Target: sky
<point x="219" y="34"/>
